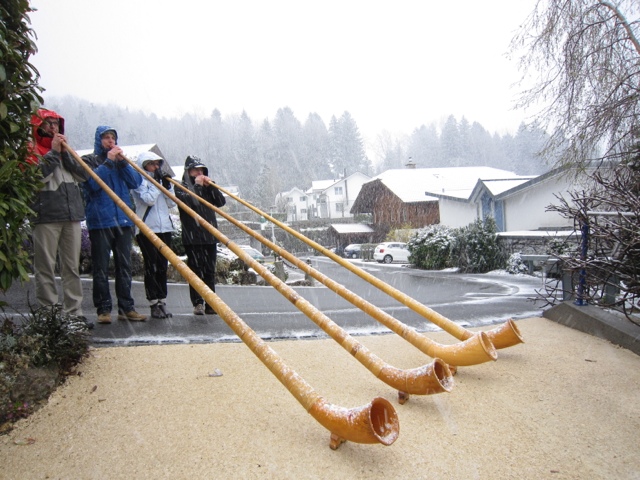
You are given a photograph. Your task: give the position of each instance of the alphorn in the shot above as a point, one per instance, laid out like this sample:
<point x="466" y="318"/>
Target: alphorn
<point x="375" y="422"/>
<point x="506" y="335"/>
<point x="435" y="377"/>
<point x="473" y="351"/>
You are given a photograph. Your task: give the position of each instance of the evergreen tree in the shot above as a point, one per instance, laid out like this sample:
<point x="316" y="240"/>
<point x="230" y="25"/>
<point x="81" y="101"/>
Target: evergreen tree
<point x="464" y="132"/>
<point x="244" y="152"/>
<point x="315" y="150"/>
<point x="268" y="183"/>
<point x="451" y="144"/>
<point x="348" y="155"/>
<point x="288" y="136"/>
<point x="481" y="148"/>
<point x="424" y="147"/>
<point x="529" y="144"/>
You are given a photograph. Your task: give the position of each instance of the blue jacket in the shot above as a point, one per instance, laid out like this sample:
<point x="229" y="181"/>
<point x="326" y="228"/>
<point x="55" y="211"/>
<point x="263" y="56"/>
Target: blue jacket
<point x="101" y="211"/>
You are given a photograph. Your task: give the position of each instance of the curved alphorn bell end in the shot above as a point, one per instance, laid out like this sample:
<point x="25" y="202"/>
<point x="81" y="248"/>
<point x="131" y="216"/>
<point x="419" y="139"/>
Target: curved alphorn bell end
<point x="506" y="335"/>
<point x="376" y="422"/>
<point x="435" y="377"/>
<point x="476" y="349"/>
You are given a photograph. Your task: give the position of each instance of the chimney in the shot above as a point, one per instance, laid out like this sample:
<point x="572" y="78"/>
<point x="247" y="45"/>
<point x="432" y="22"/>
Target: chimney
<point x="410" y="164"/>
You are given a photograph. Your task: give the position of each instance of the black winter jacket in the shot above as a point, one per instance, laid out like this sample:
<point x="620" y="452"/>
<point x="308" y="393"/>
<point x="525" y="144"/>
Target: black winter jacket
<point x="192" y="232"/>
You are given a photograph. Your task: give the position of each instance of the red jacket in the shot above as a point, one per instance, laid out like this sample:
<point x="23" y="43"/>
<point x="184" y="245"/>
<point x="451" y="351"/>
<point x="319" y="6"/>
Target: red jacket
<point x="43" y="144"/>
<point x="60" y="198"/>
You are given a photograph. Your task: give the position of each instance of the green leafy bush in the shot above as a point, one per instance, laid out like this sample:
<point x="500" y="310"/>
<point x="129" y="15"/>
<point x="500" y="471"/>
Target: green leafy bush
<point x="430" y="247"/>
<point x="47" y="340"/>
<point x="476" y="249"/>
<point x="472" y="249"/>
<point x="19" y="98"/>
<point x="515" y="265"/>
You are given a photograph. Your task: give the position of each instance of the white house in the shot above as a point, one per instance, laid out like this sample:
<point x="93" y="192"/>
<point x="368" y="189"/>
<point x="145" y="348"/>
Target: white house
<point x="523" y="205"/>
<point x="464" y="194"/>
<point x="334" y="198"/>
<point x="294" y="202"/>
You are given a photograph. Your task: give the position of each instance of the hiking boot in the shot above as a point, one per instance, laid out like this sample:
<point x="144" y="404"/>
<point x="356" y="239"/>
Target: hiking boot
<point x="132" y="316"/>
<point x="104" y="317"/>
<point x="209" y="311"/>
<point x="164" y="310"/>
<point x="198" y="309"/>
<point x="157" y="311"/>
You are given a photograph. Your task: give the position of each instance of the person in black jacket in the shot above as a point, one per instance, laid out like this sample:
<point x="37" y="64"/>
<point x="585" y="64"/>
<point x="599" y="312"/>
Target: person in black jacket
<point x="199" y="244"/>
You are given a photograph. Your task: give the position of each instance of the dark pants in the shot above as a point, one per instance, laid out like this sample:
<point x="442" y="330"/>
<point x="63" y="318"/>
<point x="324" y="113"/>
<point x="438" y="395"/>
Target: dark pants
<point x="201" y="259"/>
<point x="155" y="266"/>
<point x="103" y="242"/>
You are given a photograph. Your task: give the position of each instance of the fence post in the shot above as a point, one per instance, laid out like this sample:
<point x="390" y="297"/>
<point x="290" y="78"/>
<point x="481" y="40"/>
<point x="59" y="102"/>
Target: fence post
<point x="584" y="229"/>
<point x="567" y="284"/>
<point x="611" y="290"/>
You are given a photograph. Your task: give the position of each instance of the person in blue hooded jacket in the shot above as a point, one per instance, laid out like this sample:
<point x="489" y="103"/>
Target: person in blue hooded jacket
<point x="110" y="229"/>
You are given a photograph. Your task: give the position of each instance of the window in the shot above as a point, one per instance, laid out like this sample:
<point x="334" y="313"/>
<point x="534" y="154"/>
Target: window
<point x="337" y="190"/>
<point x="303" y="199"/>
<point x="303" y="211"/>
<point x="339" y="207"/>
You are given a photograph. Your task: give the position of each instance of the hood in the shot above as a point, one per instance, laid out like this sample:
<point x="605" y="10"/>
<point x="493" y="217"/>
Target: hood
<point x="145" y="157"/>
<point x="43" y="144"/>
<point x="97" y="144"/>
<point x="194" y="162"/>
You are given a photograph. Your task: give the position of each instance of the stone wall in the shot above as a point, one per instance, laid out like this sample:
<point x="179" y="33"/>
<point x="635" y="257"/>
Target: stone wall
<point x="538" y="243"/>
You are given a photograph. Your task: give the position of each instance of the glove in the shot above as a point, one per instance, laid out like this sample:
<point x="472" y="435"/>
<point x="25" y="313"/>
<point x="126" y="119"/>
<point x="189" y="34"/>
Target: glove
<point x="165" y="182"/>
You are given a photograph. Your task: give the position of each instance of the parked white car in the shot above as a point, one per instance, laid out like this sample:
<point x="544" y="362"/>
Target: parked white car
<point x="253" y="253"/>
<point x="389" y="252"/>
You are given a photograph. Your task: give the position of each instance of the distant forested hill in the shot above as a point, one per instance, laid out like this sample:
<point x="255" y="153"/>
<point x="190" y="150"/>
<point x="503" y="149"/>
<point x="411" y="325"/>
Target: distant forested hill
<point x="272" y="155"/>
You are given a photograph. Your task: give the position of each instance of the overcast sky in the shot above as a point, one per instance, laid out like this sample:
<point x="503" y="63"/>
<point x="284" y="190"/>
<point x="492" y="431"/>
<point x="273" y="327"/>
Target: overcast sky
<point x="393" y="65"/>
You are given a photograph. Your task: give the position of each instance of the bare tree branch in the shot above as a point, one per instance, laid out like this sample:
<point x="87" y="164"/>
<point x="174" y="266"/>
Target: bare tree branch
<point x="585" y="56"/>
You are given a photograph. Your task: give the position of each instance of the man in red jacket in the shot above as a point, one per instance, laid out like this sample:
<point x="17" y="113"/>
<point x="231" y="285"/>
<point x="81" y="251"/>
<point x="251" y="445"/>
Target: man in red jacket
<point x="59" y="210"/>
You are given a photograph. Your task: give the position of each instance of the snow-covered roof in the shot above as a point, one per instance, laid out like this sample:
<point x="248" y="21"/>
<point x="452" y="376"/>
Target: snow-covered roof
<point x="496" y="187"/>
<point x="415" y="184"/>
<point x="351" y="228"/>
<point x="320" y="185"/>
<point x="538" y="233"/>
<point x="132" y="152"/>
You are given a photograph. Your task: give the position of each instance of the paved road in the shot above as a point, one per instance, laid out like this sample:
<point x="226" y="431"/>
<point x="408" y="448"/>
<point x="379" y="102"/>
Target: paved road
<point x="471" y="300"/>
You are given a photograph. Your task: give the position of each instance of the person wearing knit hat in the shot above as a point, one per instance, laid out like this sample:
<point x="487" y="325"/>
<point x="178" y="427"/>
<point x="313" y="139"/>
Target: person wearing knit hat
<point x="59" y="211"/>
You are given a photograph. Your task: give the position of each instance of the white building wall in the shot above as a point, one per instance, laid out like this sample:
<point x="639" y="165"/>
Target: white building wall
<point x="526" y="209"/>
<point x="456" y="214"/>
<point x="295" y="202"/>
<point x="344" y="192"/>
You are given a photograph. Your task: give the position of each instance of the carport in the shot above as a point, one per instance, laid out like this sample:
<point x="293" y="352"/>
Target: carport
<point x="345" y="233"/>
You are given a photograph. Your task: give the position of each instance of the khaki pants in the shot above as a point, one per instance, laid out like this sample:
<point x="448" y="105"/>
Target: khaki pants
<point x="63" y="239"/>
